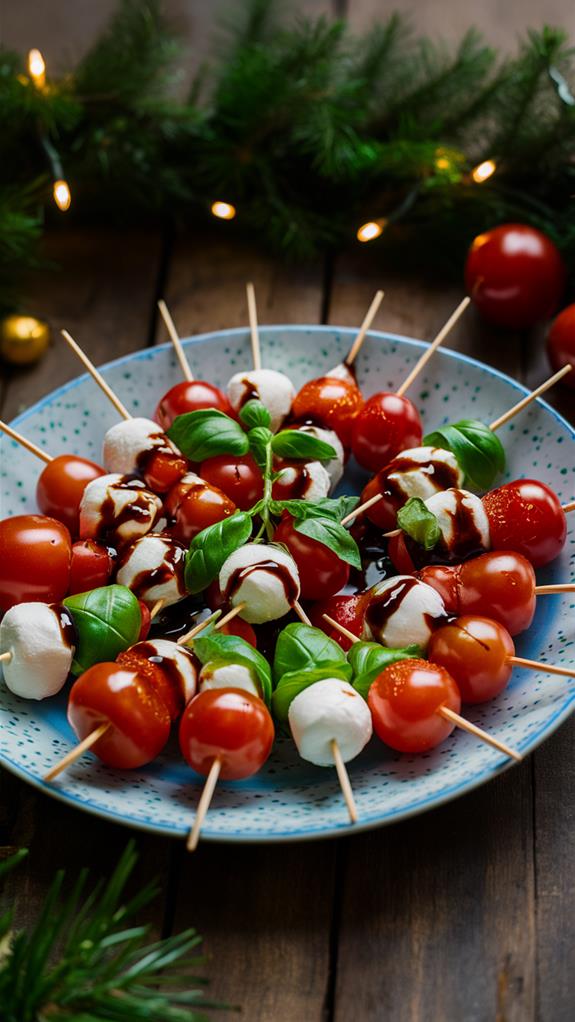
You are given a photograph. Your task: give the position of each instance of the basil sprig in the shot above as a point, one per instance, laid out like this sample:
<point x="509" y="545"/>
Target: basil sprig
<point x="259" y="442"/>
<point x="254" y="413"/>
<point x="420" y="523"/>
<point x="326" y="507"/>
<point x="294" y="682"/>
<point x="218" y="648"/>
<point x="479" y="451"/>
<point x="369" y="659"/>
<point x="333" y="535"/>
<point x="294" y="444"/>
<point x="301" y="646"/>
<point x="206" y="433"/>
<point x="107" y="621"/>
<point x="212" y="546"/>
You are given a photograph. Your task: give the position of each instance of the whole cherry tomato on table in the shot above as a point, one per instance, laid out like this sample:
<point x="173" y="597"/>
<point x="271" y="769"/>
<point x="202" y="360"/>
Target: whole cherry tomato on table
<point x="386" y="425"/>
<point x="561" y="344"/>
<point x="91" y="566"/>
<point x="404" y="700"/>
<point x="330" y="403"/>
<point x="526" y="516"/>
<point x="515" y="275"/>
<point x="322" y="573"/>
<point x="139" y="722"/>
<point x="192" y="507"/>
<point x="190" y="396"/>
<point x="348" y="611"/>
<point x="239" y="478"/>
<point x="35" y="558"/>
<point x="227" y="724"/>
<point x="475" y="651"/>
<point x="61" y="486"/>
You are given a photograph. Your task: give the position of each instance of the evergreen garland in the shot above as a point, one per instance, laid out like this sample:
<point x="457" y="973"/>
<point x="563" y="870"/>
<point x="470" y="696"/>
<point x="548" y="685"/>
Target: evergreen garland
<point x="305" y="129"/>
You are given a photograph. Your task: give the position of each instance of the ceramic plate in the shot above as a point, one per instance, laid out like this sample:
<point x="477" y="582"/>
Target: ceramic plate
<point x="290" y="799"/>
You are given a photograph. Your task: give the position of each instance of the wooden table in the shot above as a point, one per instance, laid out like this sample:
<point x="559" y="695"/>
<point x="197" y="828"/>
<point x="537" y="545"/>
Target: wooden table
<point x="464" y="913"/>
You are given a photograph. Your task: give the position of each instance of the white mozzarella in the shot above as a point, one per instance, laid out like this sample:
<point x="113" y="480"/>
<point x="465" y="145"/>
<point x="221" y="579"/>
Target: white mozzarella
<point x="342" y="372"/>
<point x="222" y="675"/>
<point x="421" y="479"/>
<point x="334" y="468"/>
<point x="41" y="656"/>
<point x="411" y="612"/>
<point x="454" y="507"/>
<point x="275" y="390"/>
<point x="266" y="590"/>
<point x="125" y="442"/>
<point x="153" y="568"/>
<point x="330" y="709"/>
<point x="317" y="481"/>
<point x="182" y="664"/>
<point x="117" y="508"/>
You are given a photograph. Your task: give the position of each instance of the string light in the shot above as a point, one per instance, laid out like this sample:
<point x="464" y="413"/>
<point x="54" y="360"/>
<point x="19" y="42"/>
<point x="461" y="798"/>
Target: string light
<point x="62" y="196"/>
<point x="223" y="210"/>
<point x="483" y="171"/>
<point x="37" y="68"/>
<point x="371" y="230"/>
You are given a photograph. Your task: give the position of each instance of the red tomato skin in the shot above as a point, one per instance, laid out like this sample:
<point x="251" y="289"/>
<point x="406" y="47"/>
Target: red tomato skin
<point x="192" y="507"/>
<point x="404" y="700"/>
<point x="386" y="425"/>
<point x="561" y="344"/>
<point x="475" y="650"/>
<point x="163" y="471"/>
<point x="230" y="724"/>
<point x="189" y="396"/>
<point x="35" y="558"/>
<point x="348" y="611"/>
<point x="61" y="485"/>
<point x="241" y="628"/>
<point x="146" y="621"/>
<point x="330" y="403"/>
<point x="445" y="579"/>
<point x="400" y="556"/>
<point x="138" y="718"/>
<point x="499" y="585"/>
<point x="91" y="566"/>
<point x="322" y="573"/>
<point x="515" y="275"/>
<point x="239" y="478"/>
<point x="526" y="516"/>
<point x="384" y="513"/>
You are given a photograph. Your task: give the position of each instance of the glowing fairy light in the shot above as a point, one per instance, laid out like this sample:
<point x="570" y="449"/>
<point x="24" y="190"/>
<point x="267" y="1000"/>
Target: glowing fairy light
<point x="371" y="230"/>
<point x="62" y="196"/>
<point x="483" y="171"/>
<point x="37" y="68"/>
<point x="223" y="210"/>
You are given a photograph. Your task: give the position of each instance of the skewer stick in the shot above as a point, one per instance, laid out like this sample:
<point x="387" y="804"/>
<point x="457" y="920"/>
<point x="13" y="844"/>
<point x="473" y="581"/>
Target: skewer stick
<point x="455" y="315"/>
<point x="25" y="443"/>
<point x="253" y="317"/>
<point x="484" y="736"/>
<point x="361" y="507"/>
<point x="497" y="423"/>
<point x="344" y="781"/>
<point x="171" y="328"/>
<point x="77" y="751"/>
<point x="301" y="612"/>
<point x="120" y="408"/>
<point x="6" y="657"/>
<point x="368" y="320"/>
<point x="341" y="628"/>
<point x="519" y="661"/>
<point x="569" y="507"/>
<point x="156" y="609"/>
<point x="231" y="614"/>
<point x="198" y="628"/>
<point x="564" y="587"/>
<point x="204" y="804"/>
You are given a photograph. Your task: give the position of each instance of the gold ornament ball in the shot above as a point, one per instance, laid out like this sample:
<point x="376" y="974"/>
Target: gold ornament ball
<point x="23" y="339"/>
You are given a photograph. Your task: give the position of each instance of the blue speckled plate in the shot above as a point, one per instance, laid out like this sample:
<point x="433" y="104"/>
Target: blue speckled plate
<point x="290" y="799"/>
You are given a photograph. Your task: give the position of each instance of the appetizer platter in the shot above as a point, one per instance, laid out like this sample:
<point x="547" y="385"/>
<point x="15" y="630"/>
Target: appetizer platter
<point x="252" y="590"/>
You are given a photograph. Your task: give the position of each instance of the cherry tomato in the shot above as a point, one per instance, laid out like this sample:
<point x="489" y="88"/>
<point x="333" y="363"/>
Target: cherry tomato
<point x="228" y="724"/>
<point x="404" y="700"/>
<point x="293" y="484"/>
<point x="386" y="425"/>
<point x="445" y="579"/>
<point x="139" y="721"/>
<point x="384" y="513"/>
<point x="526" y="516"/>
<point x="191" y="507"/>
<point x="475" y="651"/>
<point x="61" y="485"/>
<point x="239" y="478"/>
<point x="561" y="343"/>
<point x="189" y="396"/>
<point x="346" y="610"/>
<point x="330" y="403"/>
<point x="515" y="275"/>
<point x="400" y="556"/>
<point x="163" y="471"/>
<point x="91" y="566"/>
<point x="322" y="573"/>
<point x="240" y="628"/>
<point x="146" y="621"/>
<point x="35" y="557"/>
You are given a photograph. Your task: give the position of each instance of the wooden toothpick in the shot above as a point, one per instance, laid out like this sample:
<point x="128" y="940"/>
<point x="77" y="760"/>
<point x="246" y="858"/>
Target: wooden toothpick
<point x="478" y="732"/>
<point x="361" y="508"/>
<point x="6" y="657"/>
<point x="569" y="507"/>
<point x="445" y="330"/>
<point x="344" y="781"/>
<point x="77" y="751"/>
<point x="497" y="423"/>
<point x="120" y="408"/>
<point x="535" y="665"/>
<point x="198" y="628"/>
<point x="301" y="612"/>
<point x="174" y="337"/>
<point x="156" y="609"/>
<point x="551" y="590"/>
<point x="253" y="317"/>
<point x="4" y="428"/>
<point x="341" y="628"/>
<point x="368" y="320"/>
<point x="204" y="804"/>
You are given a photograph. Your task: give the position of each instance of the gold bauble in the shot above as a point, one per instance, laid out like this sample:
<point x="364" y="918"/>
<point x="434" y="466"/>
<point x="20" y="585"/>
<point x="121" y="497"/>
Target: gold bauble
<point x="23" y="339"/>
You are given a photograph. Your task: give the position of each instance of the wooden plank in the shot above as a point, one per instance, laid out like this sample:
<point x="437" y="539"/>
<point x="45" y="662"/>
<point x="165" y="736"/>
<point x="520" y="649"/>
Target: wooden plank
<point x="266" y="911"/>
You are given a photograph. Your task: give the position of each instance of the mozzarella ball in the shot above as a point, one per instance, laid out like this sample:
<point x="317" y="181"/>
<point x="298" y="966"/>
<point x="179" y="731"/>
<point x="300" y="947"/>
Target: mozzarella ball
<point x="462" y="520"/>
<point x="126" y="443"/>
<point x="313" y="482"/>
<point x="39" y="638"/>
<point x="118" y="509"/>
<point x="334" y="468"/>
<point x="330" y="709"/>
<point x="275" y="390"/>
<point x="422" y="472"/>
<point x="223" y="675"/>
<point x="264" y="577"/>
<point x="153" y="568"/>
<point x="403" y="610"/>
<point x="342" y="372"/>
<point x="178" y="663"/>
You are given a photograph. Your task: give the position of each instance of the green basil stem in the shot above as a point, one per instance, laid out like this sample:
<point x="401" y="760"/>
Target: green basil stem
<point x="266" y="526"/>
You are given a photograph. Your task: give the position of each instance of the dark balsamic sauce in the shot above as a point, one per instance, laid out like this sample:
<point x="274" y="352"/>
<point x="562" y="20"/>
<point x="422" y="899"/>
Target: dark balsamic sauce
<point x="270" y="567"/>
<point x="167" y="664"/>
<point x="172" y="567"/>
<point x="300" y="484"/>
<point x="141" y="508"/>
<point x="442" y="475"/>
<point x="158" y="443"/>
<point x="250" y="392"/>
<point x="467" y="541"/>
<point x="179" y="618"/>
<point x="67" y="626"/>
<point x="381" y="607"/>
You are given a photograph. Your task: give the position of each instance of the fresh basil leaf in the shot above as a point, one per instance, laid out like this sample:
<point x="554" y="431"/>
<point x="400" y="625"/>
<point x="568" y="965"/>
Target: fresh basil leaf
<point x="107" y="621"/>
<point x="332" y="535"/>
<point x="291" y="443"/>
<point x="369" y="659"/>
<point x="254" y="413"/>
<point x="294" y="682"/>
<point x="233" y="649"/>
<point x="326" y="507"/>
<point x="212" y="546"/>
<point x="479" y="451"/>
<point x="258" y="439"/>
<point x="301" y="646"/>
<point x="206" y="433"/>
<point x="420" y="523"/>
